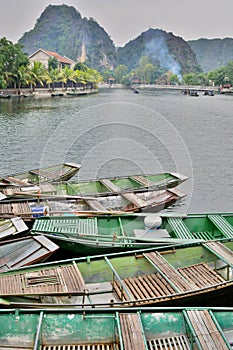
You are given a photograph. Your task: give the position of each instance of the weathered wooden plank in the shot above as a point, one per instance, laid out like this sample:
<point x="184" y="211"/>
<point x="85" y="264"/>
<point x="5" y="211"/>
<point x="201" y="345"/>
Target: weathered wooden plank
<point x="206" y="331"/>
<point x="132" y="332"/>
<point x="144" y="181"/>
<point x="221" y="251"/>
<point x="171" y="273"/>
<point x="201" y="275"/>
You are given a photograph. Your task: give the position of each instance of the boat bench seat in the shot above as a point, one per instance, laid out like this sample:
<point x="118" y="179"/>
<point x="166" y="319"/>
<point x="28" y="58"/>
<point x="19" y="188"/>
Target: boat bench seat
<point x="88" y="226"/>
<point x="143" y="181"/>
<point x="206" y="332"/>
<point x="81" y="346"/>
<point x="15" y="181"/>
<point x="203" y="235"/>
<point x="45" y="174"/>
<point x="131" y="197"/>
<point x="96" y="205"/>
<point x="221" y="251"/>
<point x="222" y="224"/>
<point x="180" y="342"/>
<point x="159" y="286"/>
<point x="177" y="226"/>
<point x="52" y="281"/>
<point x="132" y="334"/>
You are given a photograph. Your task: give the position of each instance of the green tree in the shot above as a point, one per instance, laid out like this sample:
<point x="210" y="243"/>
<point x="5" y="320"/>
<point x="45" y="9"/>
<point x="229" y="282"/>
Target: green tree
<point x="120" y="72"/>
<point x="54" y="77"/>
<point x="189" y="79"/>
<point x="52" y="63"/>
<point x="80" y="66"/>
<point x="11" y="59"/>
<point x="22" y="77"/>
<point x="148" y="73"/>
<point x="66" y="74"/>
<point x="38" y="74"/>
<point x="229" y="71"/>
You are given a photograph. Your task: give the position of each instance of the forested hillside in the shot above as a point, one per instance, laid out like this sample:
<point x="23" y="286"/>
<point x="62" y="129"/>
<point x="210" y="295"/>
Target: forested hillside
<point x="63" y="30"/>
<point x="164" y="50"/>
<point x="212" y="53"/>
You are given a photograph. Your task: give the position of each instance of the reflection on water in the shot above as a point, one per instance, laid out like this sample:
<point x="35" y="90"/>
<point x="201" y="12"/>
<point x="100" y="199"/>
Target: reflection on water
<point x="116" y="132"/>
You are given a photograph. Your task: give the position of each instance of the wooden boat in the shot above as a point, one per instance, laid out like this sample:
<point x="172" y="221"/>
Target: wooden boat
<point x="102" y="187"/>
<point x="131" y="329"/>
<point x="11" y="227"/>
<point x="66" y="205"/>
<point x="209" y="93"/>
<point x="109" y="233"/>
<point x="4" y="96"/>
<point x="57" y="94"/>
<point x="193" y="93"/>
<point x="25" y="251"/>
<point x="197" y="275"/>
<point x="61" y="172"/>
<point x="76" y="93"/>
<point x="99" y="234"/>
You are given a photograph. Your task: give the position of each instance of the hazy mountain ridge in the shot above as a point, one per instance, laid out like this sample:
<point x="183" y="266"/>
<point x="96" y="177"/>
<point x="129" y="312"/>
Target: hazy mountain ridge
<point x="164" y="50"/>
<point x="212" y="53"/>
<point x="62" y="29"/>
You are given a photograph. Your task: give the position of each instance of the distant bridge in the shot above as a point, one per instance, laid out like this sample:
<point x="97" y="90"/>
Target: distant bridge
<point x="175" y="87"/>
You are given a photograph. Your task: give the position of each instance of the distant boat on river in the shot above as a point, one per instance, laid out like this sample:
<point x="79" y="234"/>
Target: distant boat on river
<point x="60" y="172"/>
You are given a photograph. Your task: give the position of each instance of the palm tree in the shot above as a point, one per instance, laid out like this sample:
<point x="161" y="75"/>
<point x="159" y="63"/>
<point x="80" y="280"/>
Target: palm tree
<point x="53" y="76"/>
<point x="79" y="77"/>
<point x="66" y="74"/>
<point x="92" y="77"/>
<point x="38" y="74"/>
<point x="22" y="76"/>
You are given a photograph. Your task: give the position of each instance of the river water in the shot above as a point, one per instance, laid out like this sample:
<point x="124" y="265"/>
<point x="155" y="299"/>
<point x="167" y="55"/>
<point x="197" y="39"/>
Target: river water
<point x="117" y="132"/>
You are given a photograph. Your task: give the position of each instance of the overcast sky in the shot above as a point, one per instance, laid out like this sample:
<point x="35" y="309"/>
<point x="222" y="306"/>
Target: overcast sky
<point x="124" y="20"/>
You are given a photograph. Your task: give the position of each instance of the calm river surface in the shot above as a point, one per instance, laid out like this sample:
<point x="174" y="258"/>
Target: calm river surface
<point x="117" y="132"/>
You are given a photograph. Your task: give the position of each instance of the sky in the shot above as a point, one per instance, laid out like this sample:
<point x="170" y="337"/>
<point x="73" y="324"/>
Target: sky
<point x="124" y="20"/>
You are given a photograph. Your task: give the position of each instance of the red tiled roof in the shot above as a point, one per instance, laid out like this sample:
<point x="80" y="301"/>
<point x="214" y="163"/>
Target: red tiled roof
<point x="58" y="57"/>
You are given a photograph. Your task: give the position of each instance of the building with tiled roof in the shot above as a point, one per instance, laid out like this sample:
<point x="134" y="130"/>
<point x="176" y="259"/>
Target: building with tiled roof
<point x="43" y="56"/>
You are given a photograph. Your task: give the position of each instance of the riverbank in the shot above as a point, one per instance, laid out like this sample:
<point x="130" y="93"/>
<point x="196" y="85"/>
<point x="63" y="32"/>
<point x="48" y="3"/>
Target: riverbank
<point x="37" y="93"/>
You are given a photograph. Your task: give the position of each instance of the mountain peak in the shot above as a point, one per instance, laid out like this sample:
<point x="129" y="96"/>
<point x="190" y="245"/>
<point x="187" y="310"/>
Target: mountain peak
<point x="165" y="50"/>
<point x="62" y="29"/>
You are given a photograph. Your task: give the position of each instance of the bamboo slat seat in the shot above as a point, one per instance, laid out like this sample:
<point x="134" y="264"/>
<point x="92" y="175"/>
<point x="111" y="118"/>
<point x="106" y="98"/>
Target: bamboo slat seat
<point x="61" y="280"/>
<point x="144" y="287"/>
<point x="88" y="226"/>
<point x="201" y="275"/>
<point x="6" y="208"/>
<point x="203" y="235"/>
<point x="179" y="228"/>
<point x="131" y="332"/>
<point x="222" y="224"/>
<point x="21" y="208"/>
<point x="80" y="347"/>
<point x="170" y="272"/>
<point x="180" y="342"/>
<point x="45" y="174"/>
<point x="206" y="331"/>
<point x="154" y="286"/>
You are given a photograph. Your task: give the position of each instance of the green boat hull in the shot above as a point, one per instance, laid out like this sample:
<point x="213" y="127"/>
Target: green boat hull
<point x="131" y="329"/>
<point x="60" y="172"/>
<point x="102" y="234"/>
